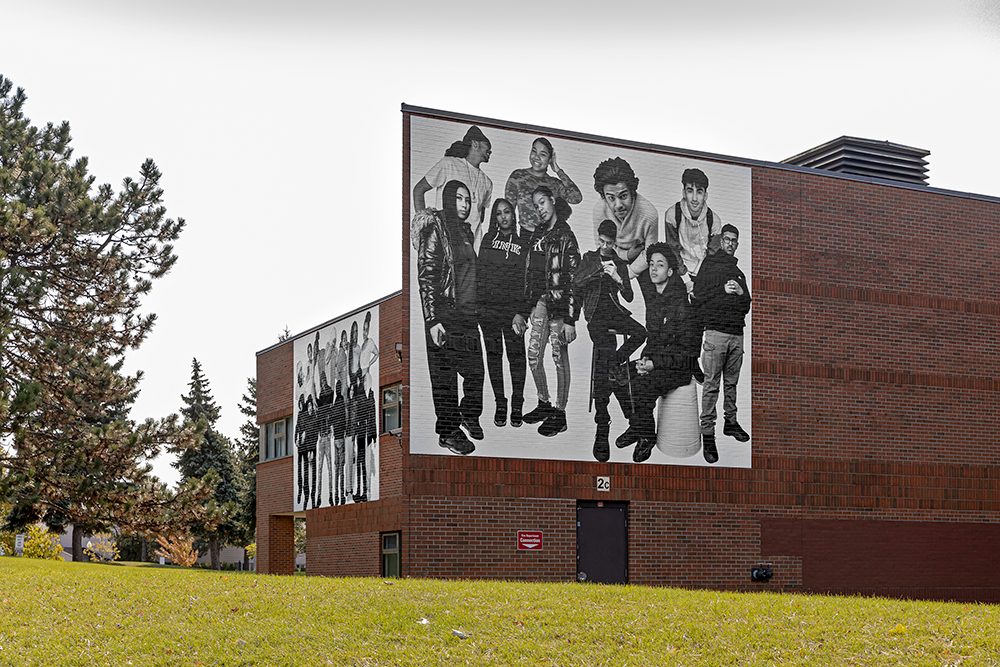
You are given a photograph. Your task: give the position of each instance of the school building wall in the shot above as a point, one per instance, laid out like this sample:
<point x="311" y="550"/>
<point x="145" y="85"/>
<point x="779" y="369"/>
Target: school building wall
<point x="875" y="458"/>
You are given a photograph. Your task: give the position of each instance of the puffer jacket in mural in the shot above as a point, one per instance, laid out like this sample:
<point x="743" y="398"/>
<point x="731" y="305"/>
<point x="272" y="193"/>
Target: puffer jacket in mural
<point x="436" y="268"/>
<point x="562" y="257"/>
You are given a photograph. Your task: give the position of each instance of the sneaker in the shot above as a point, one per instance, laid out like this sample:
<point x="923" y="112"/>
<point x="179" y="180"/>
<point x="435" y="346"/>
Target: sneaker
<point x="553" y="424"/>
<point x="500" y="416"/>
<point x="457" y="443"/>
<point x="708" y="447"/>
<point x="643" y="449"/>
<point x="734" y="430"/>
<point x="473" y="427"/>
<point x="515" y="414"/>
<point x="602" y="449"/>
<point x="541" y="412"/>
<point x="627" y="438"/>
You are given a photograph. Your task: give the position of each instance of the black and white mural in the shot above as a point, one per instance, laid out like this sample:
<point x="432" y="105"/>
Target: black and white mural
<point x="576" y="301"/>
<point x="336" y="413"/>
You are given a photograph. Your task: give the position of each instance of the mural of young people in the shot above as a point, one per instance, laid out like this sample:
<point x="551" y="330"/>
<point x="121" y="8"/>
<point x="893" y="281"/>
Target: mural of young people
<point x="614" y="378"/>
<point x="335" y="417"/>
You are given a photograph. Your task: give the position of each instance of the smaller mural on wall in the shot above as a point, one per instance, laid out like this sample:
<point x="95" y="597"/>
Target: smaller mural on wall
<point x="336" y="413"/>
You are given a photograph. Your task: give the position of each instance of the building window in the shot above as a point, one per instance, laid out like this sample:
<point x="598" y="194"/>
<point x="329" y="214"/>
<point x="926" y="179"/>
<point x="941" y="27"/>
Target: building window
<point x="276" y="438"/>
<point x="391" y="554"/>
<point x="391" y="401"/>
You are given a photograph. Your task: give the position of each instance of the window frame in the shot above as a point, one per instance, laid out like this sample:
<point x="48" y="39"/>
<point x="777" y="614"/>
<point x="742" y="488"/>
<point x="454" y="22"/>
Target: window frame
<point x="386" y="408"/>
<point x="388" y="552"/>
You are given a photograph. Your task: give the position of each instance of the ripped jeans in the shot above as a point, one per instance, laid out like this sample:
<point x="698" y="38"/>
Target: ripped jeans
<point x="545" y="329"/>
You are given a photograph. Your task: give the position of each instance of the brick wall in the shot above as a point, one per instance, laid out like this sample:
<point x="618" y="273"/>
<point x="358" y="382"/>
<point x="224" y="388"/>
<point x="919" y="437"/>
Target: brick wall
<point x="275" y="550"/>
<point x="274" y="383"/>
<point x="346" y="541"/>
<point x="475" y="538"/>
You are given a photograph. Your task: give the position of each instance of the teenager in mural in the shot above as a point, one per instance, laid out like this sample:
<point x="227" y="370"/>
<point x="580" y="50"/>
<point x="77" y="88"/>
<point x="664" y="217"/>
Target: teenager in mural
<point x="446" y="278"/>
<point x="522" y="183"/>
<point x="670" y="358"/>
<point x="338" y="423"/>
<point x="723" y="300"/>
<point x="324" y="410"/>
<point x="551" y="306"/>
<point x="306" y="436"/>
<point x="461" y="163"/>
<point x="366" y="436"/>
<point x="635" y="218"/>
<point x="369" y="350"/>
<point x="691" y="227"/>
<point x="500" y="276"/>
<point x="360" y="416"/>
<point x="599" y="280"/>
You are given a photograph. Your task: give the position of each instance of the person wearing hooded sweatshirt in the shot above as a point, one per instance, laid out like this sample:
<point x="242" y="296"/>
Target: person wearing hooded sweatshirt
<point x="670" y="359"/>
<point x="691" y="227"/>
<point x="500" y="274"/>
<point x="446" y="280"/>
<point x="550" y="303"/>
<point x="723" y="299"/>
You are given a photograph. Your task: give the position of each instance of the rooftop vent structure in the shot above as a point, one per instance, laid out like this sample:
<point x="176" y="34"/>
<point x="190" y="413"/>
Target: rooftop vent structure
<point x="867" y="157"/>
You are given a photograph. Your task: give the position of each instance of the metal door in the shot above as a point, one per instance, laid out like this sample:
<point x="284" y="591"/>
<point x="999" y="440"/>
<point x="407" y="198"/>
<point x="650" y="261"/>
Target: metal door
<point x="602" y="542"/>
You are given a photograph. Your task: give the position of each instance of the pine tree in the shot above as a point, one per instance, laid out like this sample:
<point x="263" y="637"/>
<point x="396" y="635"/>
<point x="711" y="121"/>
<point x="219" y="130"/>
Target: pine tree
<point x="75" y="263"/>
<point x="213" y="457"/>
<point x="249" y="454"/>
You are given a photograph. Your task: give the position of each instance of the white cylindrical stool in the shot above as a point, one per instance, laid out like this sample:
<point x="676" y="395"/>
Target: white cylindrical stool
<point x="677" y="427"/>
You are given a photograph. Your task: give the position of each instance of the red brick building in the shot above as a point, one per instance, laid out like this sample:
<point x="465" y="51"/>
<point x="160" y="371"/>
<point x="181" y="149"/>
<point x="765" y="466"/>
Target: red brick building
<point x="874" y="464"/>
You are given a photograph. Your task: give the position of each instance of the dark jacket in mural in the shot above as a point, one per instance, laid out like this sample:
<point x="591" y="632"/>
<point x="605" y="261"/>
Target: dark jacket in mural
<point x="562" y="257"/>
<point x="674" y="340"/>
<point x="720" y="311"/>
<point x="436" y="269"/>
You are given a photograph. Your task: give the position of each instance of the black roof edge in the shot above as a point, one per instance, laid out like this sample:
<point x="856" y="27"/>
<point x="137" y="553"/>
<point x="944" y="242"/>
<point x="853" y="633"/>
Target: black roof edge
<point x="701" y="155"/>
<point x="330" y="321"/>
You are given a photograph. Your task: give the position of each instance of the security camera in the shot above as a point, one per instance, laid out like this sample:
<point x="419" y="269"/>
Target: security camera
<point x="761" y="572"/>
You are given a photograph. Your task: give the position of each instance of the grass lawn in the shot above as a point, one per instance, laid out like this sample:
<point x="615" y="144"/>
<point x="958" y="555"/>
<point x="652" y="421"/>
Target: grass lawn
<point x="57" y="613"/>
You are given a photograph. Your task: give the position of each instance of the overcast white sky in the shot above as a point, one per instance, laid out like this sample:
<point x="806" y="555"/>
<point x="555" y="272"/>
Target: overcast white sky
<point x="277" y="125"/>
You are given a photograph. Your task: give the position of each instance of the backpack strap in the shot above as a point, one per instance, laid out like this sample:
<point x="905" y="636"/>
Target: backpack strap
<point x="677" y="215"/>
<point x="711" y="221"/>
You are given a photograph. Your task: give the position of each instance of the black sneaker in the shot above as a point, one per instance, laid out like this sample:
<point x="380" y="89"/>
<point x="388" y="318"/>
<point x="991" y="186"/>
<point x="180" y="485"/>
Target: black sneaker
<point x="734" y="430"/>
<point x="474" y="429"/>
<point x="457" y="443"/>
<point x="602" y="449"/>
<point x="542" y="411"/>
<point x="643" y="449"/>
<point x="515" y="415"/>
<point x="554" y="424"/>
<point x="500" y="416"/>
<point x="708" y="447"/>
<point x="627" y="438"/>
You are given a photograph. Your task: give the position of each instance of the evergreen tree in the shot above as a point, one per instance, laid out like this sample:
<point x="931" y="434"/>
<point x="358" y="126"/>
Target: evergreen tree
<point x="75" y="263"/>
<point x="212" y="456"/>
<point x="249" y="454"/>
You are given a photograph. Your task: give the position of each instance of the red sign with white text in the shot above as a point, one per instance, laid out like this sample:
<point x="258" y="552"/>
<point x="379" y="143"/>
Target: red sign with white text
<point x="529" y="539"/>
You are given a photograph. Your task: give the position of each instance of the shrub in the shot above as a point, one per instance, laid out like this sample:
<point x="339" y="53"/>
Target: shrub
<point x="102" y="547"/>
<point x="251" y="550"/>
<point x="7" y="542"/>
<point x="40" y="542"/>
<point x="179" y="550"/>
